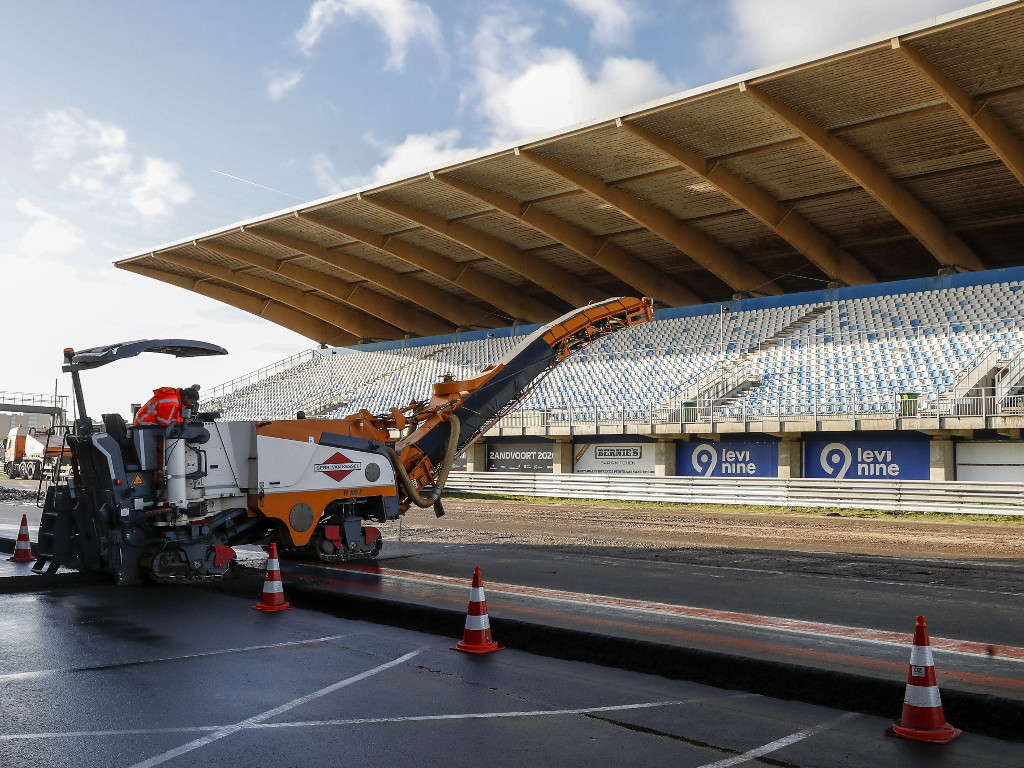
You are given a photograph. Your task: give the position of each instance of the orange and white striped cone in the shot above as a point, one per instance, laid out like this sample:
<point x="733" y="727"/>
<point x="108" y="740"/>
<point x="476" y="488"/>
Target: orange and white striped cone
<point x="273" y="589"/>
<point x="23" y="548"/>
<point x="922" y="718"/>
<point x="476" y="638"/>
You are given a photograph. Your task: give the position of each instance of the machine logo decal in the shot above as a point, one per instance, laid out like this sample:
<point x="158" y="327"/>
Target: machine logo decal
<point x="338" y="467"/>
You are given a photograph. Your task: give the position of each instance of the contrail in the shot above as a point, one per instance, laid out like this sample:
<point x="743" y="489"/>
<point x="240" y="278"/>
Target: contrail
<point x="237" y="178"/>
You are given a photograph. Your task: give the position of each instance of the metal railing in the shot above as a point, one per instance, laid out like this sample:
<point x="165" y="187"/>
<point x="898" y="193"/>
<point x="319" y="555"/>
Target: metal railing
<point x="893" y="495"/>
<point x="895" y="407"/>
<point x="261" y="374"/>
<point x="1010" y="375"/>
<point x="33" y="398"/>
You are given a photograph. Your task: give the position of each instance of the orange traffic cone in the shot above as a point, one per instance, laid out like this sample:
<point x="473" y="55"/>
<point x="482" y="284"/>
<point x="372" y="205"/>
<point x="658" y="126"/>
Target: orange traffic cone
<point x="476" y="638"/>
<point x="273" y="589"/>
<point x="23" y="549"/>
<point x="922" y="718"/>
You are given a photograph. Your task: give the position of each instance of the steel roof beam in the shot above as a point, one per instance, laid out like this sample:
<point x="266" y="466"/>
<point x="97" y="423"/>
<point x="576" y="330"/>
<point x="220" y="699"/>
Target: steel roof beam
<point x="432" y="299"/>
<point x="286" y="317"/>
<point x="387" y="309"/>
<point x="625" y="266"/>
<point x="807" y="239"/>
<point x="361" y="325"/>
<point x="713" y="256"/>
<point x="948" y="249"/>
<point x="505" y="297"/>
<point x="546" y="275"/>
<point x="974" y="113"/>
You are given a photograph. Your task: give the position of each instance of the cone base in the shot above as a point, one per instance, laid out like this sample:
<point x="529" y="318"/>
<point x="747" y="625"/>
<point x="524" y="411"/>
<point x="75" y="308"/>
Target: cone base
<point x="942" y="735"/>
<point x="271" y="608"/>
<point x="18" y="558"/>
<point x="476" y="648"/>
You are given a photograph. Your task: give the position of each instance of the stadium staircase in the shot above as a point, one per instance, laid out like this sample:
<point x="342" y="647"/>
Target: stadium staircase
<point x="726" y="386"/>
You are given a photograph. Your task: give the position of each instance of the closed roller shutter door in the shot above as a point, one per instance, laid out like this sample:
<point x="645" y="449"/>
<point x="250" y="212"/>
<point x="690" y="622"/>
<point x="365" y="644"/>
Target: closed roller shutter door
<point x="997" y="462"/>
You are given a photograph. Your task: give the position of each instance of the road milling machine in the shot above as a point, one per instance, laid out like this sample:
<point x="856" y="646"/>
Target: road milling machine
<point x="169" y="503"/>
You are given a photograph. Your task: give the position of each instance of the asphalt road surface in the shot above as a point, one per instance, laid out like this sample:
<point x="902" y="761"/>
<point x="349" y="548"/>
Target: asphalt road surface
<point x="98" y="675"/>
<point x="142" y="677"/>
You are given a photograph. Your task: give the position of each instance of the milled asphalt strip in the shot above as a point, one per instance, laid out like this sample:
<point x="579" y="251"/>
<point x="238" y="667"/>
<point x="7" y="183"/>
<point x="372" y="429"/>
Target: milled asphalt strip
<point x="778" y="624"/>
<point x="255" y="719"/>
<point x="140" y="662"/>
<point x="778" y="744"/>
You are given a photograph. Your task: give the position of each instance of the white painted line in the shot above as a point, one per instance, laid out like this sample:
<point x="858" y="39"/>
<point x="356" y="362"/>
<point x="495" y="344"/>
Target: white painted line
<point x="100" y="667"/>
<point x="251" y="725"/>
<point x="778" y="744"/>
<point x="255" y="719"/>
<point x="486" y="715"/>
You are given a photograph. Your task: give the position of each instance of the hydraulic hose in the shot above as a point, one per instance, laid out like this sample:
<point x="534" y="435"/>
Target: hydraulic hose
<point x="433" y="496"/>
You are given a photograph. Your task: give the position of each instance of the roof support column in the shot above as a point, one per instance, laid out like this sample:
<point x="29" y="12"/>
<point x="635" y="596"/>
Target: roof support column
<point x="547" y="276"/>
<point x="518" y="305"/>
<point x="941" y="242"/>
<point x="293" y="320"/>
<point x="714" y="257"/>
<point x="974" y="113"/>
<point x="785" y="222"/>
<point x="355" y="295"/>
<point x="628" y="268"/>
<point x="432" y="299"/>
<point x="359" y="324"/>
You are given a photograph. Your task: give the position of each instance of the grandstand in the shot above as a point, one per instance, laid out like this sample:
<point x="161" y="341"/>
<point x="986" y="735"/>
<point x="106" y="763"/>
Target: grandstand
<point x="831" y="245"/>
<point x="844" y="352"/>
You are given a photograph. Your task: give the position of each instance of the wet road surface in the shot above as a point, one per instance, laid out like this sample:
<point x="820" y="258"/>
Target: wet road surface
<point x="136" y="676"/>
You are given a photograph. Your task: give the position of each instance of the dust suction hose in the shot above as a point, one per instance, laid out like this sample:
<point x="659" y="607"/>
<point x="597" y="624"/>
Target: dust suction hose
<point x="431" y="498"/>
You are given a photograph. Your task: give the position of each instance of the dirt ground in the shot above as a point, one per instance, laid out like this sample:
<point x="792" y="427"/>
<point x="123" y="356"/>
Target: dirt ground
<point x="577" y="524"/>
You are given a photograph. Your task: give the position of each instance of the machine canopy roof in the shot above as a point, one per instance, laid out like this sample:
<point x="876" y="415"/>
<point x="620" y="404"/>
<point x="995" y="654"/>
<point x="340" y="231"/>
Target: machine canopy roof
<point x="98" y="356"/>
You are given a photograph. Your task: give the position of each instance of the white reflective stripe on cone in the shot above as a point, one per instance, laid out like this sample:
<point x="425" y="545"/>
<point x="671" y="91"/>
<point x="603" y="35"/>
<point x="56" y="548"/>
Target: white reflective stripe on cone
<point x="22" y="545"/>
<point x="273" y="565"/>
<point x="476" y="595"/>
<point x="922" y="696"/>
<point x="921" y="656"/>
<point x="273" y="586"/>
<point x="478" y="622"/>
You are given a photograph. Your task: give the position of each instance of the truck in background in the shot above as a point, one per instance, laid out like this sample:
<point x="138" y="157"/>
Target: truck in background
<point x="31" y="453"/>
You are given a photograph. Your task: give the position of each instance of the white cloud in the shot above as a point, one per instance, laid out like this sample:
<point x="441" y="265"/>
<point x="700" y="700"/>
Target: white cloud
<point x="769" y="31"/>
<point x="612" y="19"/>
<point x="279" y="83"/>
<point x="519" y="89"/>
<point x="418" y="152"/>
<point x="523" y="89"/>
<point x="62" y="134"/>
<point x="48" y="234"/>
<point x="156" y="190"/>
<point x="326" y="176"/>
<point x="401" y="21"/>
<point x="95" y="159"/>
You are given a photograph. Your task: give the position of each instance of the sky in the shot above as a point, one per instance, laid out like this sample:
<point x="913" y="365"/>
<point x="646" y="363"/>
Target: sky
<point x="128" y="125"/>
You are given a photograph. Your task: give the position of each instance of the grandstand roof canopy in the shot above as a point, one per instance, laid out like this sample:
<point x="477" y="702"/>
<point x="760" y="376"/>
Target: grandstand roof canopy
<point x="893" y="158"/>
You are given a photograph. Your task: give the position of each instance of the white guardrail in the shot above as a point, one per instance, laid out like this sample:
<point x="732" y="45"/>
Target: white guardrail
<point x="897" y="496"/>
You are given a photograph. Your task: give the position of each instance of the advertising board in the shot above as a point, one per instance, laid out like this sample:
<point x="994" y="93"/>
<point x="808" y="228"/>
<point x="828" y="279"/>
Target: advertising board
<point x="520" y="457"/>
<point x="867" y="459"/>
<point x="728" y="458"/>
<point x="614" y="458"/>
